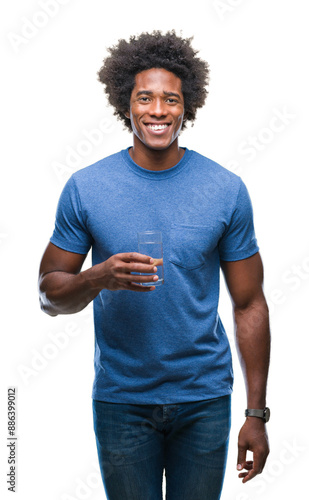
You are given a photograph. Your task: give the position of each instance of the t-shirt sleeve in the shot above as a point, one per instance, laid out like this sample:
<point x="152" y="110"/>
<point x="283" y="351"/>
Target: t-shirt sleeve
<point x="239" y="241"/>
<point x="71" y="232"/>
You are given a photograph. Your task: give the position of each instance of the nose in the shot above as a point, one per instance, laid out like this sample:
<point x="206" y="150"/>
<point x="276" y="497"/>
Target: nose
<point x="157" y="108"/>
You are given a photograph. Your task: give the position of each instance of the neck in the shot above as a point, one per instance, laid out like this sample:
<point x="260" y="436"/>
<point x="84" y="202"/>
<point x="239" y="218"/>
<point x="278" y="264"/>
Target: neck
<point x="155" y="159"/>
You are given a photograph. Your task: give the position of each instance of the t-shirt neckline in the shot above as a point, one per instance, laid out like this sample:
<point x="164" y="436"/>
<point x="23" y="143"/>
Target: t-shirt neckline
<point x="154" y="174"/>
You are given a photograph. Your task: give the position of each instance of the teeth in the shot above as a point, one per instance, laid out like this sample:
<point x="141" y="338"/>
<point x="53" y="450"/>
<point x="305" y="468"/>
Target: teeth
<point x="157" y="127"/>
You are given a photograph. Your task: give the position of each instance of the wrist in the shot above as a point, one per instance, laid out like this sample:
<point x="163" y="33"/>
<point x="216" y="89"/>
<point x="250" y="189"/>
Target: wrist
<point x="256" y="423"/>
<point x="93" y="278"/>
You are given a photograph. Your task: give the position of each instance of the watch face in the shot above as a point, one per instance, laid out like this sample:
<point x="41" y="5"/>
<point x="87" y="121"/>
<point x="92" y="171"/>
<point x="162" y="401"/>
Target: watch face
<point x="266" y="414"/>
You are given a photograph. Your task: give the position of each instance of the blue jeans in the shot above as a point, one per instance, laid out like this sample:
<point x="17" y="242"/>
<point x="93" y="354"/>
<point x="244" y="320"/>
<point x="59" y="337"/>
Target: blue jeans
<point x="136" y="443"/>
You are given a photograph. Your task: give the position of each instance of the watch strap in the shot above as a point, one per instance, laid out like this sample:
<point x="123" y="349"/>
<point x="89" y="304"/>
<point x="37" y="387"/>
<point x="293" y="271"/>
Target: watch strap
<point x="264" y="414"/>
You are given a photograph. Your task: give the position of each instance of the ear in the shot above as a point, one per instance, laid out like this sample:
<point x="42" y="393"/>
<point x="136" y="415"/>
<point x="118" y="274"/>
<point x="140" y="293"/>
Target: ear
<point x="127" y="114"/>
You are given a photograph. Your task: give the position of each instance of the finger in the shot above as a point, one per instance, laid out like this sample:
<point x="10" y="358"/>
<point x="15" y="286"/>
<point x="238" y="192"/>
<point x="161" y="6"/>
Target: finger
<point x="139" y="278"/>
<point x="139" y="267"/>
<point x="249" y="475"/>
<point x="243" y="474"/>
<point x="158" y="262"/>
<point x="126" y="270"/>
<point x="258" y="465"/>
<point x="248" y="465"/>
<point x="140" y="288"/>
<point x="241" y="458"/>
<point x="135" y="256"/>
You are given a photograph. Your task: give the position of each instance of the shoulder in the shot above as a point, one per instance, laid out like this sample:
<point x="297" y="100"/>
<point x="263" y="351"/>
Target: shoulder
<point x="97" y="178"/>
<point x="97" y="170"/>
<point x="215" y="171"/>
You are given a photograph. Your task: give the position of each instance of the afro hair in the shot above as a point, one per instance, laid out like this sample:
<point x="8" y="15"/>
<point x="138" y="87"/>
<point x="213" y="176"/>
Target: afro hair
<point x="154" y="50"/>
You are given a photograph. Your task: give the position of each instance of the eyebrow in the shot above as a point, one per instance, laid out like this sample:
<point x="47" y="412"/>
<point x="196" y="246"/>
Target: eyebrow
<point x="149" y="92"/>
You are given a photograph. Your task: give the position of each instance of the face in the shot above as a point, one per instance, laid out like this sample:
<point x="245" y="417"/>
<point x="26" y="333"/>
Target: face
<point x="156" y="108"/>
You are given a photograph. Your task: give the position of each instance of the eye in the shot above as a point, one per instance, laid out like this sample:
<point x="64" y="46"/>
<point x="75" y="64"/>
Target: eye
<point x="144" y="99"/>
<point x="171" y="100"/>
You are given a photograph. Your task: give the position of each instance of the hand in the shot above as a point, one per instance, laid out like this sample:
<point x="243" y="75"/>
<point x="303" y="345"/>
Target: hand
<point x="252" y="437"/>
<point x="116" y="272"/>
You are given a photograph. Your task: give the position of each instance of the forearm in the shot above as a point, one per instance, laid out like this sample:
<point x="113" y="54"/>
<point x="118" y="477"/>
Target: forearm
<point x="253" y="345"/>
<point x="65" y="293"/>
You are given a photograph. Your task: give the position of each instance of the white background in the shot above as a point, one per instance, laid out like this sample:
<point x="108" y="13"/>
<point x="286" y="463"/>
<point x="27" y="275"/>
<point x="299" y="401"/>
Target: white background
<point x="50" y="101"/>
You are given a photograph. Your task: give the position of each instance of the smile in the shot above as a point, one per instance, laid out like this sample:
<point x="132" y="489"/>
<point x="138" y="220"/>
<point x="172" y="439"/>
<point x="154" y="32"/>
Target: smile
<point x="157" y="127"/>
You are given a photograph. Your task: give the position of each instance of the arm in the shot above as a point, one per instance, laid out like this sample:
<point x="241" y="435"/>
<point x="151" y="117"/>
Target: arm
<point x="244" y="279"/>
<point x="64" y="289"/>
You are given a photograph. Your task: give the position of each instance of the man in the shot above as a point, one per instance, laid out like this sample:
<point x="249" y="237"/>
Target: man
<point x="163" y="370"/>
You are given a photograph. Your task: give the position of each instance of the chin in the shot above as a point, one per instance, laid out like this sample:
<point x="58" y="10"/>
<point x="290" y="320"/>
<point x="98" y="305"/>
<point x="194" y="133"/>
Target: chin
<point x="159" y="147"/>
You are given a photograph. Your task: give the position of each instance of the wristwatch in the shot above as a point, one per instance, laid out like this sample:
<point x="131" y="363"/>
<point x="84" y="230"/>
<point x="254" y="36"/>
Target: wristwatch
<point x="264" y="414"/>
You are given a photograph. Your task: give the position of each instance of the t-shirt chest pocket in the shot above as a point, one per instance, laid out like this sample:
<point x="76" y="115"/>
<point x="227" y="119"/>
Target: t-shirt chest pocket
<point x="189" y="245"/>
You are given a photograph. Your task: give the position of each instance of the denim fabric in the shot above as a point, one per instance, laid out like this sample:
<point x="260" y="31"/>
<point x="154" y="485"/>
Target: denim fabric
<point x="136" y="443"/>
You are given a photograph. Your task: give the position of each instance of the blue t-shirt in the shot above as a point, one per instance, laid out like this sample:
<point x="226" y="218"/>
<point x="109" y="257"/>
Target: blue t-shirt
<point x="167" y="345"/>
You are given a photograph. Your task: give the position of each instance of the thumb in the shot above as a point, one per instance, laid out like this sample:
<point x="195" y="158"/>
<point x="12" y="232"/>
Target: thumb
<point x="241" y="458"/>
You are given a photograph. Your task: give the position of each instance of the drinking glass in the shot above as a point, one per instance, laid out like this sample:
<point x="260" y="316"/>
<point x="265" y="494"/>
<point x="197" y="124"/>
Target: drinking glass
<point x="150" y="243"/>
